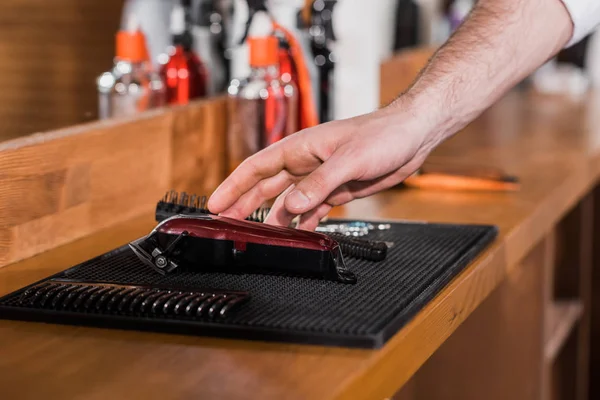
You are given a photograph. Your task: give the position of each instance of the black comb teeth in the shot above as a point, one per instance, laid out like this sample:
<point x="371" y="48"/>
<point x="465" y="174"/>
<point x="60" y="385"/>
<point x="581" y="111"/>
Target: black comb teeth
<point x="150" y="302"/>
<point x="174" y="203"/>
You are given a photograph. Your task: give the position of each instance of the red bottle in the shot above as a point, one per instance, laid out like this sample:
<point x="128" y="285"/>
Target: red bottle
<point x="184" y="74"/>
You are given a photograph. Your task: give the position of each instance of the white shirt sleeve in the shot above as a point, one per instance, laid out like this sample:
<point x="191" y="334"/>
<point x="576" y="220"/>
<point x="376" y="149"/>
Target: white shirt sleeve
<point x="585" y="15"/>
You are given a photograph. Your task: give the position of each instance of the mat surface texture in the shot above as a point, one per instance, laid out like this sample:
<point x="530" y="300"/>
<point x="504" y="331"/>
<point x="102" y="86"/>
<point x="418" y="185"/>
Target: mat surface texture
<point x="421" y="262"/>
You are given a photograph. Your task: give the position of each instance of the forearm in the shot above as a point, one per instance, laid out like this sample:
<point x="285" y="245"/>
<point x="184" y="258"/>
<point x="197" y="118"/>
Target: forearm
<point x="501" y="43"/>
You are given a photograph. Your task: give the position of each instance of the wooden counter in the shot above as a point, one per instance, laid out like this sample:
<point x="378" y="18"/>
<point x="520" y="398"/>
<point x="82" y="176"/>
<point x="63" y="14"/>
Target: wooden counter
<point x="552" y="145"/>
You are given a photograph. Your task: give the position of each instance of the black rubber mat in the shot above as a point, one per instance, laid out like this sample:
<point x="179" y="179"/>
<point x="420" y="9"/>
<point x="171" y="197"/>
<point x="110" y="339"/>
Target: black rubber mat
<point x="422" y="260"/>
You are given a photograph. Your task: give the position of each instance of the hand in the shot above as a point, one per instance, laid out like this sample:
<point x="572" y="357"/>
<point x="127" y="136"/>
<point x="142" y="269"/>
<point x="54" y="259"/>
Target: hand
<point x="325" y="166"/>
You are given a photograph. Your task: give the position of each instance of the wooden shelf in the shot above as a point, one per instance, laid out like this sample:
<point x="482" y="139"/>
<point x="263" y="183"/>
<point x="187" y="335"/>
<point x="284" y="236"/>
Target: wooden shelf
<point x="561" y="318"/>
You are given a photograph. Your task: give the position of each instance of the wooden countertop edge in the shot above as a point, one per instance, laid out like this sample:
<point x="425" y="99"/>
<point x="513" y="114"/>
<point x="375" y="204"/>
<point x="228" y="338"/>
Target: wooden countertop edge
<point x="392" y="366"/>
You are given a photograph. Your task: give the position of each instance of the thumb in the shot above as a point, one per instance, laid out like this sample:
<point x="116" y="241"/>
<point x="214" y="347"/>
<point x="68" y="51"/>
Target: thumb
<point x="313" y="190"/>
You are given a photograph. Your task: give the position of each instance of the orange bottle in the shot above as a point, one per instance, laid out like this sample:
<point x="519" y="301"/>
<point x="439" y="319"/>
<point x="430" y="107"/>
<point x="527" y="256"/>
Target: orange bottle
<point x="258" y="107"/>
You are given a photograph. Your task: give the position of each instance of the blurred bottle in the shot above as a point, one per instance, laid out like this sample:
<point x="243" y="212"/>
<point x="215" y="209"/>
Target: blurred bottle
<point x="153" y="20"/>
<point x="208" y="31"/>
<point x="592" y="59"/>
<point x="458" y="10"/>
<point x="258" y="109"/>
<point x="184" y="74"/>
<point x="408" y="29"/>
<point x="287" y="13"/>
<point x="322" y="39"/>
<point x="289" y="77"/>
<point x="237" y="51"/>
<point x="225" y="43"/>
<point x="132" y="85"/>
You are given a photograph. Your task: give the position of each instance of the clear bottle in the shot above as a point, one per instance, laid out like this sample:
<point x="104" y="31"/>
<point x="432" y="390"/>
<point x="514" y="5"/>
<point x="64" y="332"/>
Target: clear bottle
<point x="258" y="106"/>
<point x="132" y="85"/>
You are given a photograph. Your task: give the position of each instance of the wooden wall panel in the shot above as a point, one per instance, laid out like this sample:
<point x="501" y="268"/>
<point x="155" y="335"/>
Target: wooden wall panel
<point x="497" y="352"/>
<point x="63" y="185"/>
<point x="50" y="55"/>
<point x="200" y="134"/>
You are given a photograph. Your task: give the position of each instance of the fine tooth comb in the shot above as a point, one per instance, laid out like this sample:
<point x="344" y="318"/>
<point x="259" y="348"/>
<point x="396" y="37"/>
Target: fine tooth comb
<point x="212" y="243"/>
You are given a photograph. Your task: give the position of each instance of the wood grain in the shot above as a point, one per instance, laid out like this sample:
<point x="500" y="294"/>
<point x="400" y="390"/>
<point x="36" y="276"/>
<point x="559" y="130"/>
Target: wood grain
<point x="199" y="146"/>
<point x="562" y="320"/>
<point x="498" y="352"/>
<point x="552" y="145"/>
<point x="50" y="55"/>
<point x="59" y="186"/>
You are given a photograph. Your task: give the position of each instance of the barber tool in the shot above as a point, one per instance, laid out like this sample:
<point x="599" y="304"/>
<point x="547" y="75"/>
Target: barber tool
<point x="347" y="234"/>
<point x="220" y="244"/>
<point x="352" y="228"/>
<point x="462" y="178"/>
<point x="129" y="300"/>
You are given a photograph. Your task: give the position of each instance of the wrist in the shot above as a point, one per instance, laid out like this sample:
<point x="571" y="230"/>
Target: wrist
<point x="428" y="114"/>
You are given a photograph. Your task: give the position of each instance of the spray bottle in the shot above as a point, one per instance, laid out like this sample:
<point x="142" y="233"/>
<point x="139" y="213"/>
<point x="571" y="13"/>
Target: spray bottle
<point x="289" y="78"/>
<point x="184" y="74"/>
<point x="290" y="53"/>
<point x="287" y="13"/>
<point x="153" y="19"/>
<point x="132" y="85"/>
<point x="257" y="106"/>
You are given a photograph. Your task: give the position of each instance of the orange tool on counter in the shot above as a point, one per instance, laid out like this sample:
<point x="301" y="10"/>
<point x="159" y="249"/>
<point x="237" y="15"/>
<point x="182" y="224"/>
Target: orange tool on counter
<point x="462" y="178"/>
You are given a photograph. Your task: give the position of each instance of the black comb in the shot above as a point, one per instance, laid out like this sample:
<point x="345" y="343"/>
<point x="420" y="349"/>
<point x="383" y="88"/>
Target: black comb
<point x="132" y="300"/>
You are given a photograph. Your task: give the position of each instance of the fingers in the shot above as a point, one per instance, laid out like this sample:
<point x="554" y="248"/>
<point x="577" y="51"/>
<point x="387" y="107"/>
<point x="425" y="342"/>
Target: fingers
<point x="358" y="190"/>
<point x="264" y="164"/>
<point x="319" y="184"/>
<point x="278" y="214"/>
<point x="311" y="219"/>
<point x="258" y="195"/>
